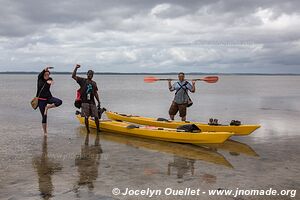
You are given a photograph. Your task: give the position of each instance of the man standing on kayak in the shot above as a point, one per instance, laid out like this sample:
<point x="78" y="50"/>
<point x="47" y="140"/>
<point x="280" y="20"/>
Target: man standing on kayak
<point x="181" y="99"/>
<point x="88" y="91"/>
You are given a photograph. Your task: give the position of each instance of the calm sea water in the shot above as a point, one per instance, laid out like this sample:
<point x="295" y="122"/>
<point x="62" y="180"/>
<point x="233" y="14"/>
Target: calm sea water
<point x="59" y="168"/>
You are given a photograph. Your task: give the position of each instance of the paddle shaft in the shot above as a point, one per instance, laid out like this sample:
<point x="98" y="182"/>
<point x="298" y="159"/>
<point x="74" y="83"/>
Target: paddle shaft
<point x="208" y="79"/>
<point x="166" y="79"/>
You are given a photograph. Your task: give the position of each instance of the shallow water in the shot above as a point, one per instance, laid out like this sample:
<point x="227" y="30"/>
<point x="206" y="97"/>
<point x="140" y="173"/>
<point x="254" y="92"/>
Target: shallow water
<point x="63" y="167"/>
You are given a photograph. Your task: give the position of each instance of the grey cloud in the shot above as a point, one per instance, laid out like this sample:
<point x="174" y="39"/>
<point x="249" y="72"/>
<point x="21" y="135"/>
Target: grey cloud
<point x="151" y="35"/>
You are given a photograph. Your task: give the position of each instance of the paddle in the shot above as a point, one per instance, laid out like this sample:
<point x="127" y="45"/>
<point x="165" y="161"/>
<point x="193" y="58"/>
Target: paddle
<point x="208" y="79"/>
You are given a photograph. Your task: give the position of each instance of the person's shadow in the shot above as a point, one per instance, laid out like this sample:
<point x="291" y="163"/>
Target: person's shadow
<point x="45" y="168"/>
<point x="182" y="165"/>
<point x="87" y="163"/>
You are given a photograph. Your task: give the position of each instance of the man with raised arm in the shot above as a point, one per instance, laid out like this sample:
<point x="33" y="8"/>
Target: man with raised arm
<point x="88" y="93"/>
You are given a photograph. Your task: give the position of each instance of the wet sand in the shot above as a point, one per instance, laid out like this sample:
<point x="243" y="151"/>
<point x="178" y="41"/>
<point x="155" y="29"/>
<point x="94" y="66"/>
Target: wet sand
<point x="68" y="166"/>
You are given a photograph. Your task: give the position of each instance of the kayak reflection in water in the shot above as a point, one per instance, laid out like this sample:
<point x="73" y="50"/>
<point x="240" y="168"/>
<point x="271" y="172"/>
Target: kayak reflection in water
<point x="45" y="168"/>
<point x="88" y="162"/>
<point x="181" y="100"/>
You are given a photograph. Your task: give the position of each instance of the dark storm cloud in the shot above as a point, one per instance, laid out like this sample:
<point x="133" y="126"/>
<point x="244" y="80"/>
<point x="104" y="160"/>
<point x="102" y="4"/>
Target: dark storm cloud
<point x="25" y="17"/>
<point x="146" y="35"/>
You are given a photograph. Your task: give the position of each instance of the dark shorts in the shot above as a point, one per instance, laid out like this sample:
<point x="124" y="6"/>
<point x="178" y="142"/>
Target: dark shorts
<point x="178" y="107"/>
<point x="89" y="110"/>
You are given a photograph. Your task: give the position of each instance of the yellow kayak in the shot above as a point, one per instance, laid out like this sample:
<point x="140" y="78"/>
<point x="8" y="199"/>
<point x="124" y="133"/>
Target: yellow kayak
<point x="164" y="134"/>
<point x="237" y="130"/>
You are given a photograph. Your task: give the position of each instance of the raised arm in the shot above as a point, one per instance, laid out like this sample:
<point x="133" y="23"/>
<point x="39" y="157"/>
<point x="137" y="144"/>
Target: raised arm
<point x="75" y="72"/>
<point x="193" y="87"/>
<point x="171" y="88"/>
<point x="41" y="75"/>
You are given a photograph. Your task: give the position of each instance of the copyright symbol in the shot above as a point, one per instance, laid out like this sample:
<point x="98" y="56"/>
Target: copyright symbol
<point x="116" y="191"/>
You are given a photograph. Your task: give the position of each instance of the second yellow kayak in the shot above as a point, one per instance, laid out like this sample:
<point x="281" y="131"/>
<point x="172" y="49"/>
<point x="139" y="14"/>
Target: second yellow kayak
<point x="237" y="130"/>
<point x="164" y="134"/>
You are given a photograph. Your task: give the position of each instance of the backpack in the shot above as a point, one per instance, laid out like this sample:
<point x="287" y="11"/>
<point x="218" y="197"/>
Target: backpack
<point x="78" y="100"/>
<point x="189" y="128"/>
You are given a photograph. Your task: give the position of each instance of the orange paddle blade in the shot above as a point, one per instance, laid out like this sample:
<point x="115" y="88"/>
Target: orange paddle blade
<point x="210" y="79"/>
<point x="150" y="79"/>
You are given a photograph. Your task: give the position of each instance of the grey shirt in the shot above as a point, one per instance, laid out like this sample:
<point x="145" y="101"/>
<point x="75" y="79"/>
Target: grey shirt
<point x="181" y="95"/>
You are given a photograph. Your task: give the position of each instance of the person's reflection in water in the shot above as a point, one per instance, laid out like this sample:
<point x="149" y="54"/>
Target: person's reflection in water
<point x="182" y="165"/>
<point x="88" y="162"/>
<point x="45" y="168"/>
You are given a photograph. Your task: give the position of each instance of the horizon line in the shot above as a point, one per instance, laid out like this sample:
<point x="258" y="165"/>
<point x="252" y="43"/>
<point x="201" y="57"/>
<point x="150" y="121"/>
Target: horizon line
<point x="151" y="73"/>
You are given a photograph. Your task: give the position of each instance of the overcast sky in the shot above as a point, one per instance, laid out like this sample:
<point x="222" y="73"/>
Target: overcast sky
<point x="151" y="36"/>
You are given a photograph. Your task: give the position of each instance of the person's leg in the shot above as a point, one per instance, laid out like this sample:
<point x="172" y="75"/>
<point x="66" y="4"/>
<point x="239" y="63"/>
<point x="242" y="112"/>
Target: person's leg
<point x="173" y="110"/>
<point x="42" y="106"/>
<point x="44" y="125"/>
<point x="95" y="114"/>
<point x="97" y="124"/>
<point x="86" y="120"/>
<point x="85" y="113"/>
<point x="53" y="102"/>
<point x="87" y="138"/>
<point x="182" y="111"/>
<point x="97" y="140"/>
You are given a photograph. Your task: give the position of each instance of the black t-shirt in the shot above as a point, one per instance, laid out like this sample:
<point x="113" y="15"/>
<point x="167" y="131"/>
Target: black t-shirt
<point x="88" y="89"/>
<point x="43" y="92"/>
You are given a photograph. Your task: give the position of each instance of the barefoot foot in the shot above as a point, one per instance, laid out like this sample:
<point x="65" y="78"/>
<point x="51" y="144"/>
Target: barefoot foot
<point x="46" y="109"/>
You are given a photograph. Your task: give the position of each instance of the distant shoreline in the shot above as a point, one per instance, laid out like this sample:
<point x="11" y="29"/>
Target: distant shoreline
<point x="144" y="73"/>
